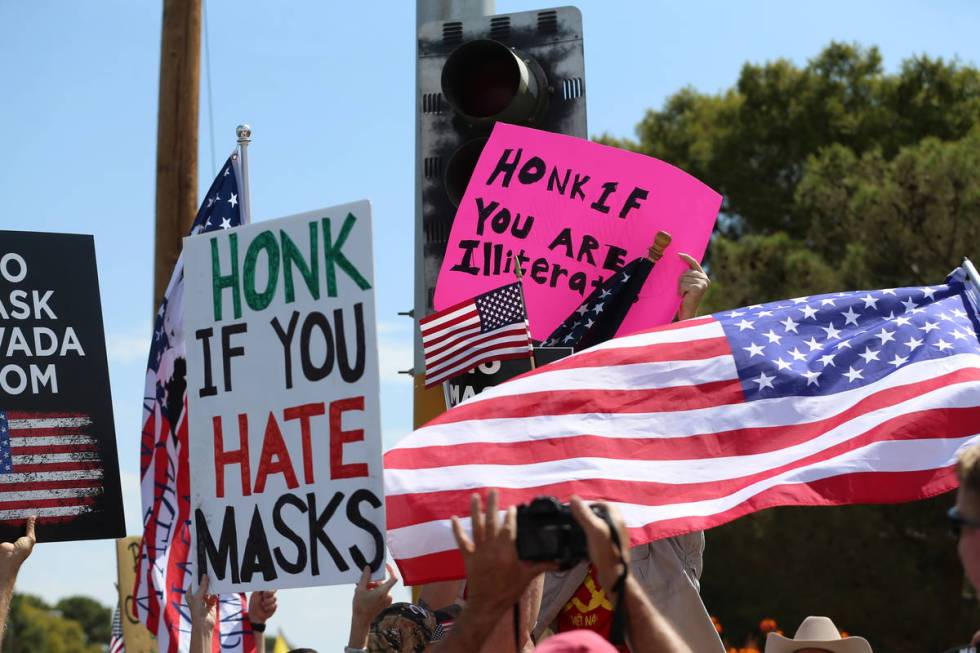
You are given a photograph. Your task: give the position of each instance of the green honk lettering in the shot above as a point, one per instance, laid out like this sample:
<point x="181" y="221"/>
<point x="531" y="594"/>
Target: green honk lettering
<point x="281" y="261"/>
<point x="332" y="255"/>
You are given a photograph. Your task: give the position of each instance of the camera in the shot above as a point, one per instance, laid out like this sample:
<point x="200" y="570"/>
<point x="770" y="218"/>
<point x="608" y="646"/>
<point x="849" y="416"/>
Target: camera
<point x="547" y="532"/>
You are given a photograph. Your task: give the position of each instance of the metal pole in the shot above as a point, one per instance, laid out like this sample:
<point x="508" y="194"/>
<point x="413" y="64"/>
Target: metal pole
<point x="971" y="272"/>
<point x="244" y="134"/>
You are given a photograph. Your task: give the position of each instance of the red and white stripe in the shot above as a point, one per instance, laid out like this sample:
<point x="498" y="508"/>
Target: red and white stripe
<point x="117" y="643"/>
<point x="57" y="471"/>
<point x="452" y="342"/>
<point x="657" y="424"/>
<point x="166" y="567"/>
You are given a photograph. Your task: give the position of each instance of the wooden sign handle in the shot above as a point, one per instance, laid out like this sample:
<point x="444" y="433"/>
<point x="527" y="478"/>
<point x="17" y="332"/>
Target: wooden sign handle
<point x="660" y="243"/>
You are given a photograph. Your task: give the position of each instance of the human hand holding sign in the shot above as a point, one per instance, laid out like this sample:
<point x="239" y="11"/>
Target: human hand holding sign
<point x="692" y="285"/>
<point x="261" y="606"/>
<point x="12" y="556"/>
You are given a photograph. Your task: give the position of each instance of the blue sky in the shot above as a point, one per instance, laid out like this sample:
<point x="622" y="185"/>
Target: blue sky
<point x="328" y="88"/>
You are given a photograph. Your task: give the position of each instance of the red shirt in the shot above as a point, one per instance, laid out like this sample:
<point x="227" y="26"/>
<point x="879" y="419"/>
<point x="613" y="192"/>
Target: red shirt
<point x="589" y="609"/>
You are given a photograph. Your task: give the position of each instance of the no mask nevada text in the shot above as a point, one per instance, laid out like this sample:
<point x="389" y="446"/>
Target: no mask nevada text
<point x="57" y="440"/>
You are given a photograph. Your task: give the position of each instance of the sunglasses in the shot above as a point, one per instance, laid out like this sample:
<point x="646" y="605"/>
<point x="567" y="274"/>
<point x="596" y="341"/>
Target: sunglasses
<point x="958" y="522"/>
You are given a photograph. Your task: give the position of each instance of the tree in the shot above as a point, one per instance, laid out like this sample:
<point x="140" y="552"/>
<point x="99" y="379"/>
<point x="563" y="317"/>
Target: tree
<point x="34" y="626"/>
<point x="95" y="619"/>
<point x="835" y="176"/>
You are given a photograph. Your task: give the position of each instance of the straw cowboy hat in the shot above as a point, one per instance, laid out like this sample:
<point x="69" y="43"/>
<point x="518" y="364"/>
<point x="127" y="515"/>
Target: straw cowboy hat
<point x="818" y="633"/>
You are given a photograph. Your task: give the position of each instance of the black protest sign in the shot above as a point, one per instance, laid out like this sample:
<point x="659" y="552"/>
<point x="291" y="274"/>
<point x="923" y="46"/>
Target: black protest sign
<point x="487" y="375"/>
<point x="57" y="440"/>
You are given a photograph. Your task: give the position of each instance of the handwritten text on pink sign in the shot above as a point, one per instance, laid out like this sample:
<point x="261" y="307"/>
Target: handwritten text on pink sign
<point x="575" y="212"/>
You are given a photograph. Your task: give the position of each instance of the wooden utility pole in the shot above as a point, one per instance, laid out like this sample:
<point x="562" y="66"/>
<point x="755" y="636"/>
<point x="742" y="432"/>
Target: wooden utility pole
<point x="180" y="76"/>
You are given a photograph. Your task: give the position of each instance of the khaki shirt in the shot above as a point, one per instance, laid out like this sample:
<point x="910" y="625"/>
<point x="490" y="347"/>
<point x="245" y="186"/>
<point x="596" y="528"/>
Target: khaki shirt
<point x="669" y="570"/>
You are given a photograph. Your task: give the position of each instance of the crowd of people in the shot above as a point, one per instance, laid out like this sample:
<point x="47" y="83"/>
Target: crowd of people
<point x="641" y="599"/>
<point x="502" y="611"/>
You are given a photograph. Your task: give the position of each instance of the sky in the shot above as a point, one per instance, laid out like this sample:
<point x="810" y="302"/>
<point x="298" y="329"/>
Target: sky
<point x="328" y="89"/>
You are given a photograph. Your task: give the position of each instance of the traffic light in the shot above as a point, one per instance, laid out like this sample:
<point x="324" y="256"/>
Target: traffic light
<point x="525" y="68"/>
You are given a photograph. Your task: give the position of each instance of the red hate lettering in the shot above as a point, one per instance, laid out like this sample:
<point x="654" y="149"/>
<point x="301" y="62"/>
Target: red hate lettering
<point x="303" y="413"/>
<point x="238" y="456"/>
<point x="275" y="457"/>
<point x="339" y="437"/>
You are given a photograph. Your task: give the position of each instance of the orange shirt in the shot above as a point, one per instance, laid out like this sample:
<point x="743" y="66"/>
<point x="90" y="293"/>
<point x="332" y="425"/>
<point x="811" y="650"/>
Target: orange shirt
<point x="589" y="609"/>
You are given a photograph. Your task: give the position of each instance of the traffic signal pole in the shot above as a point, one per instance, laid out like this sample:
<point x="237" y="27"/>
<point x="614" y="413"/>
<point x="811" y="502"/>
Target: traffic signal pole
<point x="427" y="403"/>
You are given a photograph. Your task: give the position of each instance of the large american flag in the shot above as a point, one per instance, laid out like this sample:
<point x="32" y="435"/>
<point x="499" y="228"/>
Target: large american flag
<point x="166" y="568"/>
<point x="489" y="327"/>
<point x="858" y="397"/>
<point x="49" y="466"/>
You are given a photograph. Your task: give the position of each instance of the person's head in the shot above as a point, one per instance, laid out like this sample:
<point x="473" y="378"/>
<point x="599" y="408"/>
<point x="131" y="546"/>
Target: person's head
<point x="402" y="628"/>
<point x="965" y="515"/>
<point x="816" y="635"/>
<point x="302" y="650"/>
<point x="575" y="641"/>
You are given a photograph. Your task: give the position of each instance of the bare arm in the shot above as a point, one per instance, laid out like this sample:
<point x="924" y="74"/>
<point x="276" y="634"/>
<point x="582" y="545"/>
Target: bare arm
<point x="204" y="614"/>
<point x="502" y="637"/>
<point x="12" y="556"/>
<point x="646" y="628"/>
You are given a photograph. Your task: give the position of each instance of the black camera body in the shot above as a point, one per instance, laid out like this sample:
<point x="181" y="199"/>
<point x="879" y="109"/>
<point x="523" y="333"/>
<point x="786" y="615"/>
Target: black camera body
<point x="547" y="532"/>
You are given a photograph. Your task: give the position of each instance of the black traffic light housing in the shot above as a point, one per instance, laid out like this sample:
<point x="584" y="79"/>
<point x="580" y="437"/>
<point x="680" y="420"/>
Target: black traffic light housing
<point x="525" y="68"/>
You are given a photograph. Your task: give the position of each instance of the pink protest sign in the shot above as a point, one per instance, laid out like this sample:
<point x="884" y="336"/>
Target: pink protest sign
<point x="574" y="212"/>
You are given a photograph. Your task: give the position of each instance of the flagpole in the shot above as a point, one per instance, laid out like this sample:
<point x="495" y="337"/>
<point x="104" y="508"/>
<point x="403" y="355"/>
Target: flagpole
<point x="527" y="320"/>
<point x="971" y="272"/>
<point x="244" y="134"/>
<point x="660" y="242"/>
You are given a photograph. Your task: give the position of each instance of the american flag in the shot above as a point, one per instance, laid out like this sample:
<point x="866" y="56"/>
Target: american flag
<point x="859" y="397"/>
<point x="166" y="569"/>
<point x="489" y="327"/>
<point x="602" y="313"/>
<point x="49" y="466"/>
<point x="116" y="642"/>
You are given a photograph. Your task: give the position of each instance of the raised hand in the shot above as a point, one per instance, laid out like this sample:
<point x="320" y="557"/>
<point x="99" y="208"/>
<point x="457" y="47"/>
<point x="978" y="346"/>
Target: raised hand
<point x="495" y="575"/>
<point x="13" y="554"/>
<point x="692" y="285"/>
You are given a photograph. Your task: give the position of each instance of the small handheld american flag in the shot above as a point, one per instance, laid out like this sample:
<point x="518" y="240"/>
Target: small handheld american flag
<point x="117" y="644"/>
<point x="489" y="327"/>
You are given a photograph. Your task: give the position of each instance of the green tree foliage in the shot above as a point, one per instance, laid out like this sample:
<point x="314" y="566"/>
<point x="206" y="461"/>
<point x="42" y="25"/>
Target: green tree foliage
<point x="34" y="626"/>
<point x="95" y="618"/>
<point x="835" y="176"/>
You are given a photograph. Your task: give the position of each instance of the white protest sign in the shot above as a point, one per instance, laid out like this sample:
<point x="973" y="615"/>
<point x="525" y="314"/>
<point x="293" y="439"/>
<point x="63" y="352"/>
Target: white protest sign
<point x="284" y="422"/>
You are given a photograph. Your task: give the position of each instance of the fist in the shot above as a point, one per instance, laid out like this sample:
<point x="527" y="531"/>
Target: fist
<point x="261" y="606"/>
